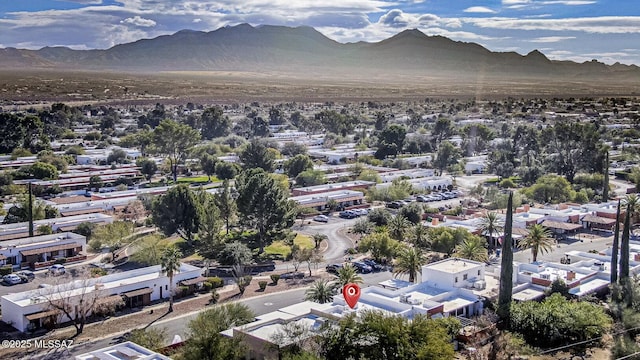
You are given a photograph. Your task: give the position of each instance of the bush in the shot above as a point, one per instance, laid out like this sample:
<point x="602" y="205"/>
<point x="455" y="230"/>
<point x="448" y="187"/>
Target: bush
<point x="507" y="183"/>
<point x="351" y="251"/>
<point x="275" y="278"/>
<point x="206" y="287"/>
<point x="215" y="282"/>
<point x="97" y="272"/>
<point x="60" y="261"/>
<point x="243" y="282"/>
<point x="214" y="296"/>
<point x="95" y="245"/>
<point x="263" y="285"/>
<point x="182" y="291"/>
<point x="6" y="270"/>
<point x="431" y="210"/>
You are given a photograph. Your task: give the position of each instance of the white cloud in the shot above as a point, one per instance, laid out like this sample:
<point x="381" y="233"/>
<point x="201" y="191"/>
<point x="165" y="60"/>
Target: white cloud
<point x="552" y="39"/>
<point x="139" y="21"/>
<point x="515" y="2"/>
<point x="569" y="2"/>
<point x="85" y="2"/>
<point x="599" y="25"/>
<point x="197" y="20"/>
<point x="479" y="9"/>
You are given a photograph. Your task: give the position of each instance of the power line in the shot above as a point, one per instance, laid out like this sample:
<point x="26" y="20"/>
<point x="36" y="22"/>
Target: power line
<point x="628" y="356"/>
<point x="586" y="341"/>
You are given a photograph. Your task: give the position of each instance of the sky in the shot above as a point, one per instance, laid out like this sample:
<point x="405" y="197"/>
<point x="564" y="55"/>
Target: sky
<point x="578" y="30"/>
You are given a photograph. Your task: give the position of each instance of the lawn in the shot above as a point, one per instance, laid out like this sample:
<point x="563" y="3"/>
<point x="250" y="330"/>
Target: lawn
<point x="280" y="248"/>
<point x="199" y="179"/>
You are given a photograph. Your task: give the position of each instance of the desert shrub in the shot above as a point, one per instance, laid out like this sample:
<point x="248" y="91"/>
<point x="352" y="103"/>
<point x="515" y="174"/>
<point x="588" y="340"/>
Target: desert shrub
<point x="97" y="272"/>
<point x="263" y="285"/>
<point x="215" y="282"/>
<point x="275" y="278"/>
<point x="6" y="270"/>
<point x="214" y="296"/>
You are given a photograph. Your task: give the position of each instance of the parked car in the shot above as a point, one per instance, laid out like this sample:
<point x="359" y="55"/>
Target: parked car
<point x="374" y="265"/>
<point x="348" y="214"/>
<point x="362" y="267"/>
<point x="26" y="275"/>
<point x="57" y="269"/>
<point x="11" y="279"/>
<point x="334" y="268"/>
<point x="361" y="212"/>
<point x="292" y="275"/>
<point x="395" y="205"/>
<point x="421" y="198"/>
<point x="321" y="218"/>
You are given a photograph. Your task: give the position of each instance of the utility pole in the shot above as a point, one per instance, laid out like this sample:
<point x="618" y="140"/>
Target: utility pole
<point x="30" y="211"/>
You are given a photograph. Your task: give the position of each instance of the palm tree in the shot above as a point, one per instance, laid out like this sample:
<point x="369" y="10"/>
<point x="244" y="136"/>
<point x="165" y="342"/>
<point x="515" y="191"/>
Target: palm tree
<point x="539" y="240"/>
<point x="348" y="275"/>
<point x="632" y="201"/>
<point x="472" y="249"/>
<point x="491" y="224"/>
<point x="398" y="227"/>
<point x="170" y="262"/>
<point x="321" y="291"/>
<point x="420" y="237"/>
<point x="409" y="261"/>
<point x="317" y="238"/>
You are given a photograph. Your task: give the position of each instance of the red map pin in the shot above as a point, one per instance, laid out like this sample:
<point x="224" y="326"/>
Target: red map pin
<point x="351" y="294"/>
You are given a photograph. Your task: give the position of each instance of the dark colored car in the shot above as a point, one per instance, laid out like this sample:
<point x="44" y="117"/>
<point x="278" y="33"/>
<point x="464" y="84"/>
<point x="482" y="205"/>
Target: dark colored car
<point x="362" y="267"/>
<point x="394" y="205"/>
<point x="348" y="214"/>
<point x="374" y="265"/>
<point x="334" y="268"/>
<point x="292" y="275"/>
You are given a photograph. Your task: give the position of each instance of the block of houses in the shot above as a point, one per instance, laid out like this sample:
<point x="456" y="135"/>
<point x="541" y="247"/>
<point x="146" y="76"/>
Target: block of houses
<point x="21" y="230"/>
<point x="343" y="198"/>
<point x="41" y="251"/>
<point x="126" y="350"/>
<point x="347" y="185"/>
<point x="32" y="310"/>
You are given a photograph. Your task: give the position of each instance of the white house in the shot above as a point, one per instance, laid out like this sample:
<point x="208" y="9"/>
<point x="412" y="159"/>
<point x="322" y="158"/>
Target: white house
<point x="26" y="252"/>
<point x="126" y="350"/>
<point x="21" y="230"/>
<point x="32" y="309"/>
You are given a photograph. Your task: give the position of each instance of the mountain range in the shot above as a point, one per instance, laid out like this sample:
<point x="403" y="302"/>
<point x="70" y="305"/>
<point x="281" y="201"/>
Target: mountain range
<point x="303" y="50"/>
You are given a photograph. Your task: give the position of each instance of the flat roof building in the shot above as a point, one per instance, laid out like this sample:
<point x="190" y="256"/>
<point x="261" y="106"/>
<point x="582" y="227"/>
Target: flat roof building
<point x="36" y="252"/>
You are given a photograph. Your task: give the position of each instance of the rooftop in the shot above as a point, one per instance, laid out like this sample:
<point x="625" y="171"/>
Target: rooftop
<point x="124" y="351"/>
<point x="452" y="265"/>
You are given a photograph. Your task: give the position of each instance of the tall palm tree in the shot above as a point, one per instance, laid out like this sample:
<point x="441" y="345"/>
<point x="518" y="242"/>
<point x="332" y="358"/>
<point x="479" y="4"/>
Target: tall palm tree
<point x="170" y="262"/>
<point x="409" y="261"/>
<point x="321" y="291"/>
<point x="419" y="236"/>
<point x="347" y="275"/>
<point x="398" y="227"/>
<point x="491" y="225"/>
<point x="539" y="240"/>
<point x="472" y="248"/>
<point x="632" y="201"/>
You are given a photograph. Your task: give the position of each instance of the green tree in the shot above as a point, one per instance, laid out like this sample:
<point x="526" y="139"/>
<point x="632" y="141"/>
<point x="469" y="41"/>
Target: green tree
<point x="43" y="171"/>
<point x="605" y="181"/>
<point x="379" y="217"/>
<point x="472" y="249"/>
<point x="624" y="247"/>
<point x="19" y="212"/>
<point x="369" y="175"/>
<point x="506" y="268"/>
<point x="556" y="321"/>
<point x="398" y="227"/>
<point x="209" y="238"/>
<point x="447" y="155"/>
<point x="204" y="341"/>
<point x="347" y="275"/>
<point x="409" y="261"/>
<point x="380" y="244"/>
<point x="85" y="229"/>
<point x="174" y="141"/>
<point x="311" y="178"/>
<point x="318" y="238"/>
<point x="443" y="129"/>
<point x="362" y="227"/>
<point x="208" y="164"/>
<point x="491" y="225"/>
<point x="419" y="237"/>
<point x="170" y="262"/>
<point x="178" y="211"/>
<point x="265" y="206"/>
<point x="226" y="203"/>
<point x="214" y="123"/>
<point x="412" y="212"/>
<point x="235" y="253"/>
<point x="226" y="171"/>
<point x="298" y="164"/>
<point x="114" y="235"/>
<point x="148" y="167"/>
<point x="539" y="240"/>
<point x="390" y="141"/>
<point x="321" y="291"/>
<point x="615" y="248"/>
<point x="257" y="155"/>
<point x="95" y="183"/>
<point x="373" y="335"/>
<point x="150" y="338"/>
<point x="117" y="156"/>
<point x="550" y="189"/>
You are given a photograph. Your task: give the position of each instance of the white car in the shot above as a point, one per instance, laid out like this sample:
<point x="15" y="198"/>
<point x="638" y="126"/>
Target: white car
<point x="321" y="218"/>
<point x="12" y="279"/>
<point x="57" y="269"/>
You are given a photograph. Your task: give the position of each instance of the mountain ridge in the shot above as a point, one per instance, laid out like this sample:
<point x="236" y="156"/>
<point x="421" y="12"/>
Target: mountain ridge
<point x="304" y="50"/>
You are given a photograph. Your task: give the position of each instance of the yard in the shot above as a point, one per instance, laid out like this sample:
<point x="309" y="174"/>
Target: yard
<point x="197" y="179"/>
<point x="282" y="249"/>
